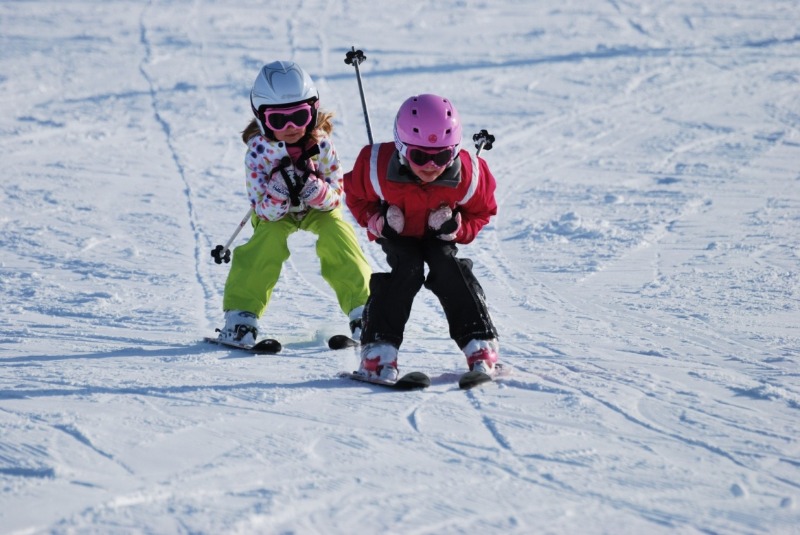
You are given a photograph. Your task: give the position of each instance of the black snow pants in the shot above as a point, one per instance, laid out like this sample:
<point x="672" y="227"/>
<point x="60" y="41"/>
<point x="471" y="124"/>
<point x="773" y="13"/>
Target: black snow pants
<point x="449" y="278"/>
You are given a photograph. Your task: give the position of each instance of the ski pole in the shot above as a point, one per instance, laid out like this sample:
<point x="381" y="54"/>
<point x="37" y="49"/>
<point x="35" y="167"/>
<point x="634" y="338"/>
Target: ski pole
<point x="355" y="58"/>
<point x="222" y="253"/>
<point x="483" y="140"/>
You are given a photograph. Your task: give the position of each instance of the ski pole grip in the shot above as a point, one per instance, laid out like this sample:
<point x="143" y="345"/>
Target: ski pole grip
<point x="483" y="140"/>
<point x="354" y="57"/>
<point x="222" y="253"/>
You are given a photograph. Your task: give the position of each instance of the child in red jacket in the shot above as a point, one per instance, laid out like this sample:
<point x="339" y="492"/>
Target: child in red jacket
<point x="419" y="197"/>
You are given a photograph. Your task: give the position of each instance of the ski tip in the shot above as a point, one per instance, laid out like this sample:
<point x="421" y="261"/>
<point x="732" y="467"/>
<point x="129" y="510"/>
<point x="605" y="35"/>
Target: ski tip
<point x="473" y="379"/>
<point x="341" y="341"/>
<point x="268" y="346"/>
<point x="413" y="380"/>
<point x="410" y="381"/>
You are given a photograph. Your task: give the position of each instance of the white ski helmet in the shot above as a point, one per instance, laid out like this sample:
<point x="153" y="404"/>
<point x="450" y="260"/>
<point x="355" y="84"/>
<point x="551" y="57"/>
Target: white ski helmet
<point x="282" y="84"/>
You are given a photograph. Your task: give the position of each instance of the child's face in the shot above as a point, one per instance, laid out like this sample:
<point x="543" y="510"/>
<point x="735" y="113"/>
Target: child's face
<point x="428" y="163"/>
<point x="288" y="124"/>
<point x="428" y="172"/>
<point x="291" y="135"/>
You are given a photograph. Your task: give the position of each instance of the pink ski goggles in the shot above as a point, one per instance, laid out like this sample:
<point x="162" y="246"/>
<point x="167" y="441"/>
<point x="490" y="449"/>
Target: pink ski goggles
<point x="422" y="155"/>
<point x="280" y="119"/>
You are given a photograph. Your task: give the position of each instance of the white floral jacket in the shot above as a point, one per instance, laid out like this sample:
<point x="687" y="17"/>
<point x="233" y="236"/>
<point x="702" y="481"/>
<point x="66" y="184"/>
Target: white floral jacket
<point x="264" y="156"/>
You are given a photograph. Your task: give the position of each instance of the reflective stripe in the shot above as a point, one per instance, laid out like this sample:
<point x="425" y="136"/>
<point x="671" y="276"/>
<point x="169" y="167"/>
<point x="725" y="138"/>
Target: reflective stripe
<point x="373" y="171"/>
<point x="473" y="185"/>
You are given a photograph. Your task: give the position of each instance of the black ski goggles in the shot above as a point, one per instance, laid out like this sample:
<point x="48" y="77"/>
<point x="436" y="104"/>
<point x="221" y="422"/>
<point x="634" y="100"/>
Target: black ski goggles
<point x="280" y="119"/>
<point x="422" y="155"/>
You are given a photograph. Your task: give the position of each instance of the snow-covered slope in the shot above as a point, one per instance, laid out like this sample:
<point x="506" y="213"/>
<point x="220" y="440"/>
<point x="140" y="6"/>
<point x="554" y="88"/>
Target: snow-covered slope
<point x="642" y="270"/>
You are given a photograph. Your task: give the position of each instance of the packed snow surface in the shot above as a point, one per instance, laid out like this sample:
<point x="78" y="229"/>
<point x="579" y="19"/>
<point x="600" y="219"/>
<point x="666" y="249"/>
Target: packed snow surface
<point x="643" y="271"/>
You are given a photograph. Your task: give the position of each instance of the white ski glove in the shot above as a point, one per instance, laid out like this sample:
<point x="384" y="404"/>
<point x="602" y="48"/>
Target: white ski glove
<point x="389" y="225"/>
<point x="443" y="224"/>
<point x="276" y="187"/>
<point x="313" y="193"/>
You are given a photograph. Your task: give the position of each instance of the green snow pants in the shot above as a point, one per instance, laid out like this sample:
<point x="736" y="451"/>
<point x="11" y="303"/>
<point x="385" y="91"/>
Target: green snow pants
<point x="257" y="264"/>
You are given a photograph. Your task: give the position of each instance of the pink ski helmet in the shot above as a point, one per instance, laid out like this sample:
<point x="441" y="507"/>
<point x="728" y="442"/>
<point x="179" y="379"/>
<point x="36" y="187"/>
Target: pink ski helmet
<point x="427" y="121"/>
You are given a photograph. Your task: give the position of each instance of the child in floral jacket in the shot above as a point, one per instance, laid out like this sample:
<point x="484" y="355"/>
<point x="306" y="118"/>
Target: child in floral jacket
<point x="294" y="181"/>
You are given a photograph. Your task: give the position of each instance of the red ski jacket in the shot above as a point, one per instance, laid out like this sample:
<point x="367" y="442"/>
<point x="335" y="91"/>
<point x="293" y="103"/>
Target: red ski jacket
<point x="467" y="186"/>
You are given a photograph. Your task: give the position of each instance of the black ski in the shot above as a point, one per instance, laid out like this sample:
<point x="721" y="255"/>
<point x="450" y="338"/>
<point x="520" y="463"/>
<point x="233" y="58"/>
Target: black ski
<point x="472" y="379"/>
<point x="267" y="346"/>
<point x="409" y="381"/>
<point x="341" y="341"/>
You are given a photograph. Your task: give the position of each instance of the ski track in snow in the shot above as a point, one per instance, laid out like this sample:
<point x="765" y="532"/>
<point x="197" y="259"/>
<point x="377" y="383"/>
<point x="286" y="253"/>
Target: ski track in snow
<point x="642" y="270"/>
